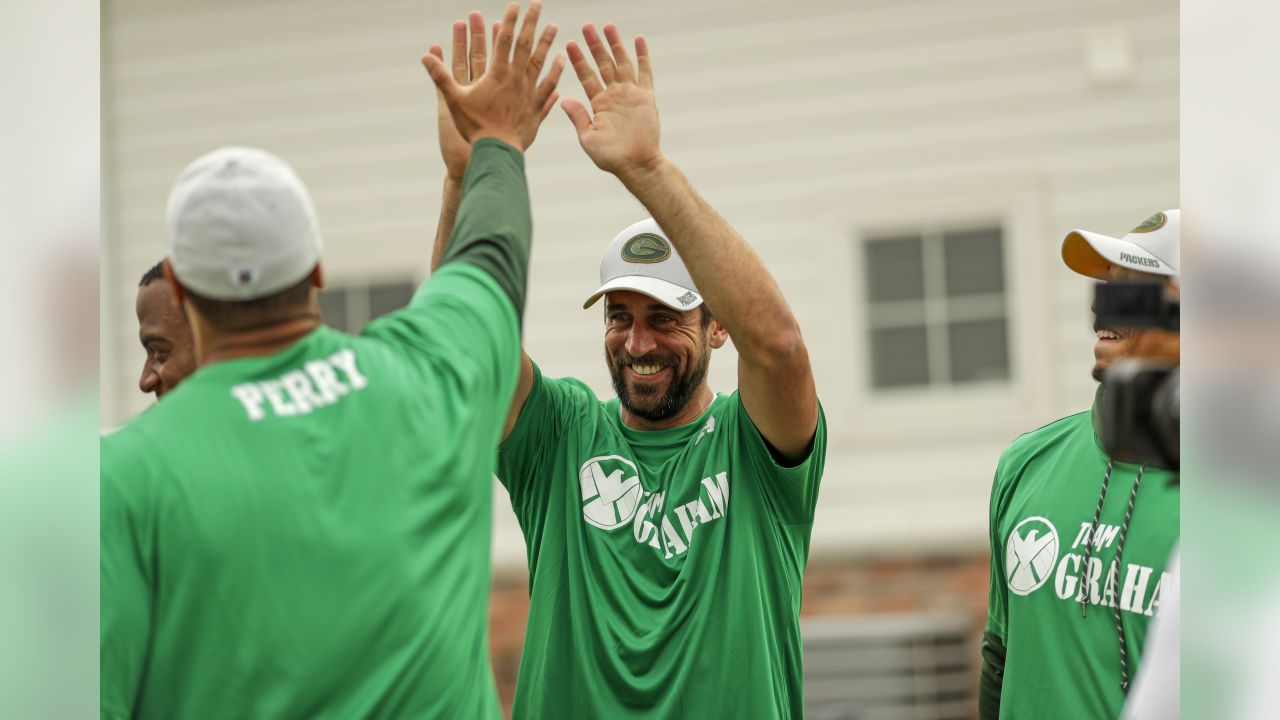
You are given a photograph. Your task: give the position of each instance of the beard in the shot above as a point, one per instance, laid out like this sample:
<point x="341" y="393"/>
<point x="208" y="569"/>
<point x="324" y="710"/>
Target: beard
<point x="653" y="403"/>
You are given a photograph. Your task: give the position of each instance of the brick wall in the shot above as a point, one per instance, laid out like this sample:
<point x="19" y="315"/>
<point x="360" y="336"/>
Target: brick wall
<point x="831" y="587"/>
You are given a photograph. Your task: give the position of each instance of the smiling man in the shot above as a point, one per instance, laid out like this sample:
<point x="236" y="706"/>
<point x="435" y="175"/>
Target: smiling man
<point x="165" y="335"/>
<point x="660" y="371"/>
<point x="1080" y="543"/>
<point x="667" y="528"/>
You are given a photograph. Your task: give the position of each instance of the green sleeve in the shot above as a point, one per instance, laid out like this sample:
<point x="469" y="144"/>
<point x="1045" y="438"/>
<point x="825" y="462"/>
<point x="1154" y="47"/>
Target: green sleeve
<point x="125" y="591"/>
<point x="792" y="490"/>
<point x="494" y="228"/>
<point x="527" y="459"/>
<point x="997" y="589"/>
<point x="460" y="326"/>
<point x="991" y="681"/>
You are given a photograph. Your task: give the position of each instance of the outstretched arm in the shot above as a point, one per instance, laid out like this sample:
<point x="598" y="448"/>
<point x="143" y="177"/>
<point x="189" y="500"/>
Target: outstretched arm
<point x="507" y="104"/>
<point x="468" y="65"/>
<point x="621" y="135"/>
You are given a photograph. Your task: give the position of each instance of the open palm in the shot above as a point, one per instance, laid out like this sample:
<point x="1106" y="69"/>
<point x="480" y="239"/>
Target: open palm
<point x="622" y="131"/>
<point x="502" y="96"/>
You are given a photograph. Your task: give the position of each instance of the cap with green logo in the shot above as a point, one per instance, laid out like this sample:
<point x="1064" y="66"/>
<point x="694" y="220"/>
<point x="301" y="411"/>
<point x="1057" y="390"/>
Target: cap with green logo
<point x="642" y="259"/>
<point x="1151" y="247"/>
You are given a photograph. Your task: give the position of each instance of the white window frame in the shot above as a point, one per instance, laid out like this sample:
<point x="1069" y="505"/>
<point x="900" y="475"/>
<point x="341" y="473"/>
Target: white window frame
<point x="863" y="417"/>
<point x="939" y="308"/>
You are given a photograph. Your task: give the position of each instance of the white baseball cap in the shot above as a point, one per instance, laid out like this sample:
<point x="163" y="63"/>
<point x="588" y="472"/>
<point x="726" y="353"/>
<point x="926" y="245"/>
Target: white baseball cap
<point x="641" y="258"/>
<point x="241" y="226"/>
<point x="1152" y="247"/>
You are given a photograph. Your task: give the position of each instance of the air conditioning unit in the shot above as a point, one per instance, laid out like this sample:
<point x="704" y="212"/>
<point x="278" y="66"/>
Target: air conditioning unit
<point x="890" y="667"/>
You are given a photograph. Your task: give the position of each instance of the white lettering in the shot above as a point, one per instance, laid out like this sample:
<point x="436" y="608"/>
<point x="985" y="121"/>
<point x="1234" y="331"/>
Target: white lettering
<point x="686" y="523"/>
<point x="1105" y="536"/>
<point x="1109" y="591"/>
<point x="299" y="392"/>
<point x="1065" y="581"/>
<point x="327" y="382"/>
<point x="670" y="532"/>
<point x="1083" y="537"/>
<point x="656" y="502"/>
<point x="251" y="397"/>
<point x="716" y="497"/>
<point x="688" y="516"/>
<point x="299" y="388"/>
<point x="1092" y="574"/>
<point x="671" y="539"/>
<point x="1153" y="607"/>
<point x="641" y="528"/>
<point x="1135" y="588"/>
<point x="345" y="360"/>
<point x="722" y="479"/>
<point x="274" y="390"/>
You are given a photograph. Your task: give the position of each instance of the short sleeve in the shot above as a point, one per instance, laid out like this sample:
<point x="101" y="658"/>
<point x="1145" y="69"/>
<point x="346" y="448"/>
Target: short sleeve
<point x="460" y="317"/>
<point x="126" y="584"/>
<point x="526" y="459"/>
<point x="791" y="492"/>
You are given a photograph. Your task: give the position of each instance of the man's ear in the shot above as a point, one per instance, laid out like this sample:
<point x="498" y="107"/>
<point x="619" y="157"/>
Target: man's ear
<point x="719" y="336"/>
<point x="317" y="277"/>
<point x="179" y="292"/>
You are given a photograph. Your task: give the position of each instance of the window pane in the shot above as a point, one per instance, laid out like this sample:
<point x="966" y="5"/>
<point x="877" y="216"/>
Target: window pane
<point x="333" y="308"/>
<point x="386" y="298"/>
<point x="899" y="357"/>
<point x="979" y="350"/>
<point x="975" y="262"/>
<point x="895" y="269"/>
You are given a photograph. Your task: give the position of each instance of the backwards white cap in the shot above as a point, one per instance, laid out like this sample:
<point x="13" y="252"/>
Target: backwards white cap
<point x="241" y="226"/>
<point x="1152" y="247"/>
<point x="641" y="258"/>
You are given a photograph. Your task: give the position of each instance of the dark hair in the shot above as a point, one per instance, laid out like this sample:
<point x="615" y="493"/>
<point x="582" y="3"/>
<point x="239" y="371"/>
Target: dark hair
<point x="250" y="314"/>
<point x="155" y="273"/>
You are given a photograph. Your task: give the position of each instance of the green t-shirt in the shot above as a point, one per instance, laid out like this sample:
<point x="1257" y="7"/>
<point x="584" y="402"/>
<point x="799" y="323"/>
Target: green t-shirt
<point x="665" y="566"/>
<point x="1059" y="664"/>
<point x="306" y="535"/>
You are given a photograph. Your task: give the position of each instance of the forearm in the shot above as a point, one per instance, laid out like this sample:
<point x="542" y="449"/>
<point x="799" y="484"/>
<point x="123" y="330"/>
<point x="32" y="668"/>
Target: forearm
<point x="449" y="202"/>
<point x="734" y="282"/>
<point x="991" y="681"/>
<point x="494" y="227"/>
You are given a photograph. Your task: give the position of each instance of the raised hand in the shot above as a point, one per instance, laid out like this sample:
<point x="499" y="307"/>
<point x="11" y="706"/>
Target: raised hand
<point x="501" y="98"/>
<point x="621" y="133"/>
<point x="467" y="67"/>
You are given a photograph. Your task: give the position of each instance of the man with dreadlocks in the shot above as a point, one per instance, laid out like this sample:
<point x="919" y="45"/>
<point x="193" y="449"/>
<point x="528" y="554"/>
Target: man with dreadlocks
<point x="1079" y="542"/>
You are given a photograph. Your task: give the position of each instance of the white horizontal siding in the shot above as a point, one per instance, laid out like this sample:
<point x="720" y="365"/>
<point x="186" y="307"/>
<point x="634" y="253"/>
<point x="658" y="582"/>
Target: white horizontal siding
<point x="805" y="124"/>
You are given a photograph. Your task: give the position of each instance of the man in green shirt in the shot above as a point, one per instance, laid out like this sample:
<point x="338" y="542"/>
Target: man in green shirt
<point x="302" y="528"/>
<point x="1080" y="545"/>
<point x="667" y="528"/>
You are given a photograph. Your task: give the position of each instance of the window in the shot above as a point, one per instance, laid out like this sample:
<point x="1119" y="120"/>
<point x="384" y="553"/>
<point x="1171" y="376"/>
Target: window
<point x="936" y="308"/>
<point x="350" y="308"/>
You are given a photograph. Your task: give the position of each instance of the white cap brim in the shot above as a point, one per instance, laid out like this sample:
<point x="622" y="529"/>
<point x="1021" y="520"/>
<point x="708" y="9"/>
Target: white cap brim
<point x="1091" y="254"/>
<point x="669" y="294"/>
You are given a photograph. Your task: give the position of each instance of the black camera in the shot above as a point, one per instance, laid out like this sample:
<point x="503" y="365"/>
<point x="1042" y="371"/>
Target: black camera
<point x="1140" y="403"/>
